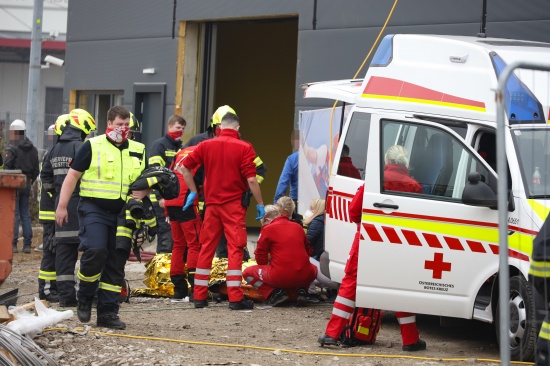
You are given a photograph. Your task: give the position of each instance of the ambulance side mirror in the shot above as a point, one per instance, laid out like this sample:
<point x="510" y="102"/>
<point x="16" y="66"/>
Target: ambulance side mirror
<point x="478" y="193"/>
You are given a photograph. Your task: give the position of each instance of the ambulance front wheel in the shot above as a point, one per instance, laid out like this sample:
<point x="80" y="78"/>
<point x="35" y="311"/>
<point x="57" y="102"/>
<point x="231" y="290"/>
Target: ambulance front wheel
<point x="523" y="330"/>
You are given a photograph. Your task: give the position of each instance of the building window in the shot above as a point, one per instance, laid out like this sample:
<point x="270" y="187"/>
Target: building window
<point x="98" y="103"/>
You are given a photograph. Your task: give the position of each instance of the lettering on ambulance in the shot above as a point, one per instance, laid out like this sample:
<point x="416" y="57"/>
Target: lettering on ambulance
<point x="513" y="221"/>
<point x="436" y="286"/>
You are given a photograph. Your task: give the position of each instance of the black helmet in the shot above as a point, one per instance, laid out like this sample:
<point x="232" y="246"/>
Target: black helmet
<point x="160" y="178"/>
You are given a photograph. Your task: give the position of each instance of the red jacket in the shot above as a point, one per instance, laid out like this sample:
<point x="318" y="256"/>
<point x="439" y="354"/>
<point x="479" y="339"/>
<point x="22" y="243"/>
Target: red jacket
<point x="228" y="163"/>
<point x="396" y="178"/>
<point x="289" y="248"/>
<point x="347" y="169"/>
<point x="356" y="205"/>
<point x="180" y="200"/>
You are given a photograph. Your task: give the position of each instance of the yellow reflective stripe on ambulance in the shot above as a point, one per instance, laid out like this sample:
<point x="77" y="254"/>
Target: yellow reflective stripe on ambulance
<point x="444" y="228"/>
<point x="413" y="230"/>
<point x="541" y="210"/>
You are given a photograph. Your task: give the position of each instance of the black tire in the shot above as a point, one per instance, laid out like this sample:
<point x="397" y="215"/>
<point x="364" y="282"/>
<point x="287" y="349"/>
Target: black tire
<point x="523" y="329"/>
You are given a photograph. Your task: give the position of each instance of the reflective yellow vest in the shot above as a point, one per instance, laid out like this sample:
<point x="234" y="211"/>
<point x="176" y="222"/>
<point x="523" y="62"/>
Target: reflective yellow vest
<point x="112" y="170"/>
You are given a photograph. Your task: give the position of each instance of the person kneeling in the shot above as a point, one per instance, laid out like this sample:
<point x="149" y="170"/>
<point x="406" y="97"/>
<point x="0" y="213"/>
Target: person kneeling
<point x="288" y="266"/>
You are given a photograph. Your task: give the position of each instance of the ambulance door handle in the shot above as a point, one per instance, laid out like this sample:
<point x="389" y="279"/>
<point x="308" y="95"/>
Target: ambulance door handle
<point x="385" y="205"/>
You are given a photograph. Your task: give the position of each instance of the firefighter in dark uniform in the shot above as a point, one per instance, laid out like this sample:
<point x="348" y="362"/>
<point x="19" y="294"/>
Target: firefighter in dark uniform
<point x="74" y="130"/>
<point x="161" y="153"/>
<point x="539" y="275"/>
<point x="47" y="287"/>
<point x="106" y="166"/>
<point x="214" y="131"/>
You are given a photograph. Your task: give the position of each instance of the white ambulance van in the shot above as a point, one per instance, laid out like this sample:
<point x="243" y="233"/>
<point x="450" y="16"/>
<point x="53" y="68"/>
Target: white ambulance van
<point x="437" y="252"/>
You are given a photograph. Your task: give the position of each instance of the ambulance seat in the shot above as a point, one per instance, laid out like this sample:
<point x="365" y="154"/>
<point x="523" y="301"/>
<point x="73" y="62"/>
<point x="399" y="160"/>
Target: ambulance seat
<point x="436" y="171"/>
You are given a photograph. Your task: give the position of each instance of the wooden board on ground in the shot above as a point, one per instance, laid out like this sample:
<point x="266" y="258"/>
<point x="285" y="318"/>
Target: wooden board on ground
<point x="4" y="314"/>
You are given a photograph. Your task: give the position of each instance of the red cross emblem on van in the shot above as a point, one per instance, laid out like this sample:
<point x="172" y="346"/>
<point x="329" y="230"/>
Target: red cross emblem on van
<point x="437" y="265"/>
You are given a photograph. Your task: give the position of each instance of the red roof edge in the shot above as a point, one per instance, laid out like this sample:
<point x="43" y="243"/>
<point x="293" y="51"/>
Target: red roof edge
<point x="26" y="43"/>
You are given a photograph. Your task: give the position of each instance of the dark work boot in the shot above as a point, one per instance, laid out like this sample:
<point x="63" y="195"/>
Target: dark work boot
<point x="420" y="345"/>
<point x="51" y="297"/>
<point x="84" y="312"/>
<point x="199" y="304"/>
<point x="110" y="321"/>
<point x="241" y="305"/>
<point x="276" y="297"/>
<point x="15" y="248"/>
<point x="325" y="340"/>
<point x="27" y="249"/>
<point x="301" y="300"/>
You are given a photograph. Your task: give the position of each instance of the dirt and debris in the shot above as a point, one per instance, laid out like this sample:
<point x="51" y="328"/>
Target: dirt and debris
<point x="160" y="332"/>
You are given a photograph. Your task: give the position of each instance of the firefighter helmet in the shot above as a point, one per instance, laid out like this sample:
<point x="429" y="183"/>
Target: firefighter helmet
<point x="60" y="123"/>
<point x="160" y="178"/>
<point x="82" y="120"/>
<point x="18" y="125"/>
<point x="135" y="126"/>
<point x="219" y="113"/>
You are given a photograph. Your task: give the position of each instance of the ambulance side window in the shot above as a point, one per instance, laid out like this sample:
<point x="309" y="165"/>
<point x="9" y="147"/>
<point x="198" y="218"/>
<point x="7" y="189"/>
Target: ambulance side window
<point x="353" y="158"/>
<point x="435" y="164"/>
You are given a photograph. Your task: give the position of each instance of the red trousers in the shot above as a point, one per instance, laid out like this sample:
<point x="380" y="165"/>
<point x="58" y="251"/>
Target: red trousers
<point x="228" y="218"/>
<point x="266" y="280"/>
<point x="345" y="303"/>
<point x="186" y="237"/>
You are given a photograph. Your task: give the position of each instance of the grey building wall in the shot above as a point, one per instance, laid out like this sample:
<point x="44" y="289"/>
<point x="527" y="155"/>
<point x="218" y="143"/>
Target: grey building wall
<point x="110" y="42"/>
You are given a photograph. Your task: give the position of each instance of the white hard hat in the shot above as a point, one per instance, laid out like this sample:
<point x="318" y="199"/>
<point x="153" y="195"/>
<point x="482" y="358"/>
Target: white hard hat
<point x="51" y="130"/>
<point x="18" y="125"/>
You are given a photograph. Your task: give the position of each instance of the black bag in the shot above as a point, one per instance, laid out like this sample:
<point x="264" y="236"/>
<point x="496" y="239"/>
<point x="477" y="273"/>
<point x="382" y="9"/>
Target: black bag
<point x="362" y="328"/>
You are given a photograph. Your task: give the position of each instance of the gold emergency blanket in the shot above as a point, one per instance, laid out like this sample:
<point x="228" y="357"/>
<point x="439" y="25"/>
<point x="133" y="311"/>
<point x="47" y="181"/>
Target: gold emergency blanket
<point x="157" y="276"/>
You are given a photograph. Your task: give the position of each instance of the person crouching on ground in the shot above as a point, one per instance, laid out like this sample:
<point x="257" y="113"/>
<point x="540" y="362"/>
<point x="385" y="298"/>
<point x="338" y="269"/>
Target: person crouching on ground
<point x="288" y="267"/>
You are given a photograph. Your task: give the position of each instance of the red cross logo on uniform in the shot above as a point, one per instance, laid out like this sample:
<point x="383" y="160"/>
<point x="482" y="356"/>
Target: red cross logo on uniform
<point x="437" y="266"/>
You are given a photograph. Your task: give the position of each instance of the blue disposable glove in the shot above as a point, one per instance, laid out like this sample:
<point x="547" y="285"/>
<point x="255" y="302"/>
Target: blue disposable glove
<point x="189" y="201"/>
<point x="260" y="212"/>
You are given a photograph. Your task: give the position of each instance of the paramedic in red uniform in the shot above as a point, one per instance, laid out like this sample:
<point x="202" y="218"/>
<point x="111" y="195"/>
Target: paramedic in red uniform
<point x="396" y="178"/>
<point x="186" y="226"/>
<point x="289" y="265"/>
<point x="346" y="167"/>
<point x="229" y="171"/>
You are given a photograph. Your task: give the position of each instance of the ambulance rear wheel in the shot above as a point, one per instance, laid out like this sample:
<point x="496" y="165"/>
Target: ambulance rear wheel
<point x="522" y="334"/>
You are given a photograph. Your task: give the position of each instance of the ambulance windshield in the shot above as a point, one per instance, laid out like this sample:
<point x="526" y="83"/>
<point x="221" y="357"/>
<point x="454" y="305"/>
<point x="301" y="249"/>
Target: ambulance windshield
<point x="533" y="151"/>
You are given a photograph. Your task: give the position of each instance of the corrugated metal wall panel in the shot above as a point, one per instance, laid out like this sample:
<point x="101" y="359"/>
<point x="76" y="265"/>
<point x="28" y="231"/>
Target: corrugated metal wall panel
<point x="107" y="19"/>
<point x="345" y="31"/>
<point x="118" y="64"/>
<point x="231" y="9"/>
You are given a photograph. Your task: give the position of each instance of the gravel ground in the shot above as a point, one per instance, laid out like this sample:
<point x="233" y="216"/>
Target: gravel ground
<point x="160" y="332"/>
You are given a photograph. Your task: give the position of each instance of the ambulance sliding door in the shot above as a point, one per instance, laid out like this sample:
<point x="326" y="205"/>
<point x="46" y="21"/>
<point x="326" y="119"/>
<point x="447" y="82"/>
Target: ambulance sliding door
<point x="424" y="252"/>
